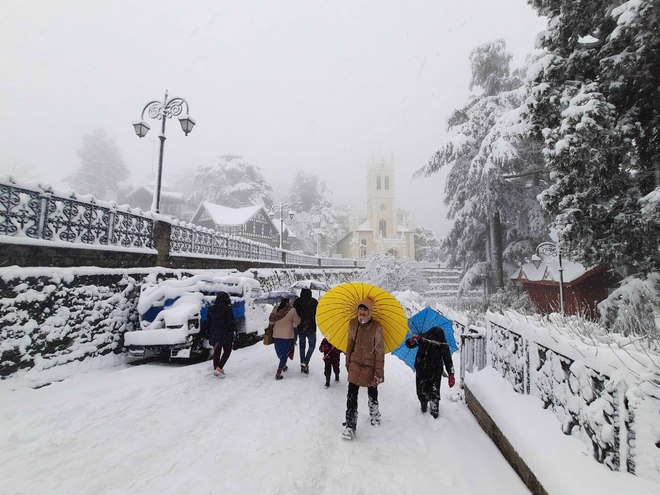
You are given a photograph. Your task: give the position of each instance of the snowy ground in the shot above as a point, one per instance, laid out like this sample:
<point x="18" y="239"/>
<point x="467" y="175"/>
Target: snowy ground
<point x="171" y="429"/>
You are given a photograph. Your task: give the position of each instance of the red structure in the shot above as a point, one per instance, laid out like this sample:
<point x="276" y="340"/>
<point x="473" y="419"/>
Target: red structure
<point x="584" y="288"/>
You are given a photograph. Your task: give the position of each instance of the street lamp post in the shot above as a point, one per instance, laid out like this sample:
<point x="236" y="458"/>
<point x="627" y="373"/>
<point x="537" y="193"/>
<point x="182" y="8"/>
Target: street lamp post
<point x="162" y="111"/>
<point x="281" y="207"/>
<point x="318" y="233"/>
<point x="551" y="249"/>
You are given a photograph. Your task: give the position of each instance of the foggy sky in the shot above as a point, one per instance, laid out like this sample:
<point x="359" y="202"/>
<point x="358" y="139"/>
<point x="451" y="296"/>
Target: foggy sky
<point x="289" y="84"/>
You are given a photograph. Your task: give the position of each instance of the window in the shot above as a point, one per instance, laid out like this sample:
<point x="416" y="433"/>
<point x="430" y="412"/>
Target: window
<point x="387" y="183"/>
<point x="363" y="249"/>
<point x="378" y="182"/>
<point x="382" y="228"/>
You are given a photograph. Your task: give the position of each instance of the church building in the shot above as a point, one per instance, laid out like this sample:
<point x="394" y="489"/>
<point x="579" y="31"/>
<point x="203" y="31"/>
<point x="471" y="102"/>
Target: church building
<point x="386" y="229"/>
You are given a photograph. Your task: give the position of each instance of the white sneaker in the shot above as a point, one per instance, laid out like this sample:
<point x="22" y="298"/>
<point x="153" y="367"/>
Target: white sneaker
<point x="217" y="372"/>
<point x="348" y="433"/>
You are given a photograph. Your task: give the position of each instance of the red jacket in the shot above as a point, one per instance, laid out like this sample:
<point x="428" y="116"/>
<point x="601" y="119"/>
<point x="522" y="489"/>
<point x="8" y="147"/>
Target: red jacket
<point x="330" y="352"/>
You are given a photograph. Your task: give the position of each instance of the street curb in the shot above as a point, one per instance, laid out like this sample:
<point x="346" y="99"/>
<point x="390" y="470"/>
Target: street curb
<point x="508" y="451"/>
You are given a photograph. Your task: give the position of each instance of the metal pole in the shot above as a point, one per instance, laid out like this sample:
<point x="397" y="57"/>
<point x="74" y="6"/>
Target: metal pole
<point x="561" y="283"/>
<point x="281" y="224"/>
<point x="160" y="156"/>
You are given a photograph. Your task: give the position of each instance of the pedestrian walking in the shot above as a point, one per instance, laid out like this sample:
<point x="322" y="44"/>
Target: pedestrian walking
<point x="305" y="306"/>
<point x="331" y="357"/>
<point x="222" y="329"/>
<point x="365" y="360"/>
<point x="432" y="355"/>
<point x="284" y="319"/>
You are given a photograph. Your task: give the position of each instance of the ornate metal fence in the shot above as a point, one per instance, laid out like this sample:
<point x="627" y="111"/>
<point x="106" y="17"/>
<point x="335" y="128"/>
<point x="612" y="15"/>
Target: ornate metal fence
<point x="40" y="214"/>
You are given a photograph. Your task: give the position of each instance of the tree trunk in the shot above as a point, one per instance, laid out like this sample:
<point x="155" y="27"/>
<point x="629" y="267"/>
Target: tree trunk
<point x="496" y="251"/>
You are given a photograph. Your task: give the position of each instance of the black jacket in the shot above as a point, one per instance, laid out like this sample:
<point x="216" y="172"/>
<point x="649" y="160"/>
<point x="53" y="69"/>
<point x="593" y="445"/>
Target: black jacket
<point x="433" y="351"/>
<point x="306" y="305"/>
<point x="220" y="321"/>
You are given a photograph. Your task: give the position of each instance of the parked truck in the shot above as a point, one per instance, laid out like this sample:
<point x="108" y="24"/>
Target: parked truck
<point x="173" y="314"/>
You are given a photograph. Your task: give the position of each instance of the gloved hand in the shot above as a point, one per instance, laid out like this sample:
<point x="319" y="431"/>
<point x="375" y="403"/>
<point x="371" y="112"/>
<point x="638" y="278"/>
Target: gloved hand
<point x="415" y="337"/>
<point x="377" y="380"/>
<point x="452" y="381"/>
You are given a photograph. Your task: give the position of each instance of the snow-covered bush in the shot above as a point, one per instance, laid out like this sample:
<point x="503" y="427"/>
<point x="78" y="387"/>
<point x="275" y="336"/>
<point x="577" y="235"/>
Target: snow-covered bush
<point x="52" y="319"/>
<point x="393" y="274"/>
<point x="511" y="297"/>
<point x="634" y="309"/>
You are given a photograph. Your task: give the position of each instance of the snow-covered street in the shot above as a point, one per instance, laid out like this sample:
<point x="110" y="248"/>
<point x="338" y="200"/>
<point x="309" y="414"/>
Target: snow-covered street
<point x="172" y="429"/>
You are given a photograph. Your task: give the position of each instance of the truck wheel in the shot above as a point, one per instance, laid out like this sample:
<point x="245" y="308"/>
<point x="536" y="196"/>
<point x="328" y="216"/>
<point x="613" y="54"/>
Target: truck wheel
<point x="198" y="352"/>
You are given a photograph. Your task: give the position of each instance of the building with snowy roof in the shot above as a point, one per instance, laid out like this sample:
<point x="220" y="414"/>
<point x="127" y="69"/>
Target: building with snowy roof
<point x="251" y="222"/>
<point x="386" y="229"/>
<point x="583" y="287"/>
<point x="171" y="203"/>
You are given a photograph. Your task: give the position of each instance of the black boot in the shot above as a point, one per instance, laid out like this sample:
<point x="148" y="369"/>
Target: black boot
<point x="374" y="413"/>
<point x="423" y="406"/>
<point x="351" y="422"/>
<point x="434" y="408"/>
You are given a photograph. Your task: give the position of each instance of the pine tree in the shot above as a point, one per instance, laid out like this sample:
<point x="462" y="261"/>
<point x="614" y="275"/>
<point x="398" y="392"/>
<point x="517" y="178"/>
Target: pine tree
<point x="427" y="246"/>
<point x="231" y="182"/>
<point x="101" y="170"/>
<point x="495" y="165"/>
<point x="595" y="100"/>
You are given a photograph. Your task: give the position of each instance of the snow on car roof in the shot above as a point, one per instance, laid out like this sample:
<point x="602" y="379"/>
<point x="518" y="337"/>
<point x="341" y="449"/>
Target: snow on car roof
<point x="157" y="294"/>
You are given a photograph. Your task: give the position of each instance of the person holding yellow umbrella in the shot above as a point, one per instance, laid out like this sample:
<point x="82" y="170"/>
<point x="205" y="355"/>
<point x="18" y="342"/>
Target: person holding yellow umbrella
<point x="365" y="322"/>
<point x="365" y="362"/>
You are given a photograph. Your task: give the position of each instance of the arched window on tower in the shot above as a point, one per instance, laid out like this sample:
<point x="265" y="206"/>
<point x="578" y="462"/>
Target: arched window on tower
<point x="378" y="182"/>
<point x="363" y="248"/>
<point x="382" y="228"/>
<point x="387" y="182"/>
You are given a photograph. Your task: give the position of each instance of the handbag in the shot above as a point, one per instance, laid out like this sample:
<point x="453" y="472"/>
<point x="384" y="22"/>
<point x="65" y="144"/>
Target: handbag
<point x="268" y="335"/>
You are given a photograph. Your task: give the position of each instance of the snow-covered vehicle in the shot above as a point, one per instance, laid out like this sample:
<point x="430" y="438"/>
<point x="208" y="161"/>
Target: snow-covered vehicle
<point x="173" y="315"/>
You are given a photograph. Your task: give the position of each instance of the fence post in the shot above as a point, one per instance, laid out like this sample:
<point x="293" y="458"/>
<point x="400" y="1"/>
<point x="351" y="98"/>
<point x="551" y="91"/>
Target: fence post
<point x="162" y="233"/>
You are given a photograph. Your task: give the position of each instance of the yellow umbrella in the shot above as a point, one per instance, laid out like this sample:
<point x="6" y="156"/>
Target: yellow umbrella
<point x="339" y="306"/>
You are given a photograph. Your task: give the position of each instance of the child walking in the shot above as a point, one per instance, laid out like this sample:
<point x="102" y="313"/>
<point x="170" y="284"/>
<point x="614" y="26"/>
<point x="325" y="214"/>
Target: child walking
<point x="331" y="360"/>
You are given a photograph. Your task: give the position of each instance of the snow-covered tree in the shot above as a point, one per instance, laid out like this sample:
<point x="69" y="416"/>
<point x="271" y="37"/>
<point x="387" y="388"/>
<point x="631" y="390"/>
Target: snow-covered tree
<point x="427" y="246"/>
<point x="231" y="182"/>
<point x="102" y="169"/>
<point x="495" y="162"/>
<point x="306" y="191"/>
<point x="317" y="220"/>
<point x="394" y="274"/>
<point x="595" y="100"/>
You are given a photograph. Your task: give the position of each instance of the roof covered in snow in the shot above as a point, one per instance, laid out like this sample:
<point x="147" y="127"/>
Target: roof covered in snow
<point x="164" y="193"/>
<point x="226" y="216"/>
<point x="548" y="270"/>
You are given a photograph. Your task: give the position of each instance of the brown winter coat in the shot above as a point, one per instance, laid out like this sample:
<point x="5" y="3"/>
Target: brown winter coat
<point x="365" y="353"/>
<point x="283" y="328"/>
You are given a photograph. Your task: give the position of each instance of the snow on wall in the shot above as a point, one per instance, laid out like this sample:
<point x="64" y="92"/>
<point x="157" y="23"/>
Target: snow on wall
<point x="54" y="316"/>
<point x="608" y="397"/>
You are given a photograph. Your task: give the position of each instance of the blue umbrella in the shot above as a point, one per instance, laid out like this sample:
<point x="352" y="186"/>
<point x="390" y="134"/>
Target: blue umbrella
<point x="420" y="323"/>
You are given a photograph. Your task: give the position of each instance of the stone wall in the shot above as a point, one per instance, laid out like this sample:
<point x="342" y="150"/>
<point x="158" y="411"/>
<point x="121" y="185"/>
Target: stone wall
<point x="52" y="316"/>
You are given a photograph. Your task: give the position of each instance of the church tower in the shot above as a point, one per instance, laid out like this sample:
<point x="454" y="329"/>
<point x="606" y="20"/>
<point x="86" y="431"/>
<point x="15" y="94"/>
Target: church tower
<point x="386" y="229"/>
<point x="381" y="212"/>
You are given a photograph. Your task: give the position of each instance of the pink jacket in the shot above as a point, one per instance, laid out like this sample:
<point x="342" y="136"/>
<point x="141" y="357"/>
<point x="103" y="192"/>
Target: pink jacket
<point x="283" y="328"/>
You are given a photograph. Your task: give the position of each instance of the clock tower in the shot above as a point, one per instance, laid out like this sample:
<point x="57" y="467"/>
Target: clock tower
<point x="380" y="199"/>
<point x="386" y="229"/>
